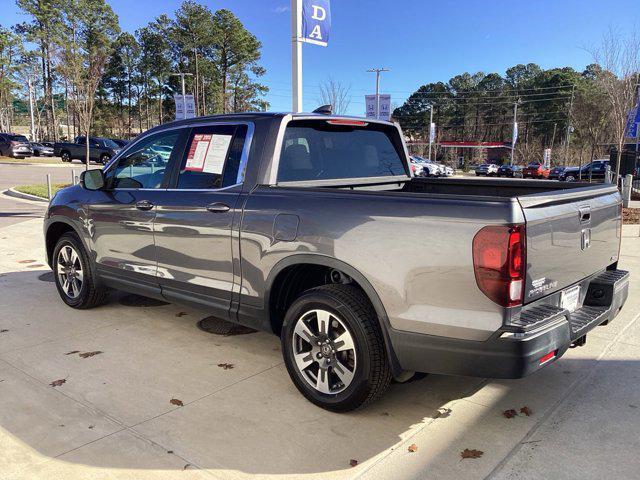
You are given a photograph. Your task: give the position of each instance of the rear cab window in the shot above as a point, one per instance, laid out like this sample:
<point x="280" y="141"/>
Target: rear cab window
<point x="336" y="149"/>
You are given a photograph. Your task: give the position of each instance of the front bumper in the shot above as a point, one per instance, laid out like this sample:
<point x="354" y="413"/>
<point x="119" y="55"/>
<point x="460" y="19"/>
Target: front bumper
<point x="515" y="351"/>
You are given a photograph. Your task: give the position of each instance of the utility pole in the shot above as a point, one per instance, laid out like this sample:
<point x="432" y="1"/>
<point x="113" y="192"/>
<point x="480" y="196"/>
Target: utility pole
<point x="430" y="128"/>
<point x="514" y="136"/>
<point x="184" y="94"/>
<point x="569" y="128"/>
<point x="296" y="55"/>
<point x="33" y="126"/>
<point x="377" y="71"/>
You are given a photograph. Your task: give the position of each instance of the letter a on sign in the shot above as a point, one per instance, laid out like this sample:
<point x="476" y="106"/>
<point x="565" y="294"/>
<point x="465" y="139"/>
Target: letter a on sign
<point x="316" y="21"/>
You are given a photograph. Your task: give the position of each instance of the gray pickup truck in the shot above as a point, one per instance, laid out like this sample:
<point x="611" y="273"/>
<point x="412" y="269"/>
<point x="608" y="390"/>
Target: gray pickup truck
<point x="100" y="149"/>
<point x="312" y="227"/>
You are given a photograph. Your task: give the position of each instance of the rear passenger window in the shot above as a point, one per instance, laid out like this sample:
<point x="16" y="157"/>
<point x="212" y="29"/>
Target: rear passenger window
<point x="212" y="158"/>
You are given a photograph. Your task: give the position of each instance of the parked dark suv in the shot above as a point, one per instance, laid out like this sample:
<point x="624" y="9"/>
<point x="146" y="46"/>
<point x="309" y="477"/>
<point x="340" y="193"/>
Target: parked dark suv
<point x="16" y="146"/>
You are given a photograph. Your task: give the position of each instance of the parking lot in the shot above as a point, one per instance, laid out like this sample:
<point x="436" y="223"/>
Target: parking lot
<point x="134" y="389"/>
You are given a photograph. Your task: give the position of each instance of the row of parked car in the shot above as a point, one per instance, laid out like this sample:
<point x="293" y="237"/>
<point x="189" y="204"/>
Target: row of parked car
<point x="423" y="167"/>
<point x="100" y="149"/>
<point x="593" y="170"/>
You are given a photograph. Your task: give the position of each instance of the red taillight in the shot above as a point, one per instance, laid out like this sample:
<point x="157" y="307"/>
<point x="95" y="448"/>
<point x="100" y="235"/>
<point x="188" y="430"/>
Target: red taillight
<point x="499" y="257"/>
<point x="549" y="356"/>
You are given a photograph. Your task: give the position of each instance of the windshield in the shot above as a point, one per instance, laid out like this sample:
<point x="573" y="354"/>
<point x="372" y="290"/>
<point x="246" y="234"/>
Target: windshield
<point x="18" y="138"/>
<point x="318" y="150"/>
<point x="109" y="143"/>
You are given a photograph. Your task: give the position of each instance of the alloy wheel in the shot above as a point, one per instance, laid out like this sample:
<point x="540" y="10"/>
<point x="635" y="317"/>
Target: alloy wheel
<point x="324" y="351"/>
<point x="69" y="271"/>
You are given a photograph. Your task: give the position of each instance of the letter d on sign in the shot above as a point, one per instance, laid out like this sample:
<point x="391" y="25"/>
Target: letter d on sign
<point x="316" y="21"/>
<point x="319" y="13"/>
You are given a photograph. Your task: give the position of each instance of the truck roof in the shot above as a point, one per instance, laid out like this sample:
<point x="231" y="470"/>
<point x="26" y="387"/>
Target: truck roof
<point x="252" y="116"/>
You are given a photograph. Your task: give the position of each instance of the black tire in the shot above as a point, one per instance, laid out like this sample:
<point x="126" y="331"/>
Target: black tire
<point x="371" y="374"/>
<point x="65" y="156"/>
<point x="104" y="158"/>
<point x="91" y="293"/>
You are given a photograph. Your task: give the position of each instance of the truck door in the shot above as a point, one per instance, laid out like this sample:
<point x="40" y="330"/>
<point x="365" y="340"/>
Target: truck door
<point x="121" y="216"/>
<point x="193" y="222"/>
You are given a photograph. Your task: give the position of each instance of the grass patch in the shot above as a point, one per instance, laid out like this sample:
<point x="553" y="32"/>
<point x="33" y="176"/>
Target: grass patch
<point x="40" y="190"/>
<point x="31" y="160"/>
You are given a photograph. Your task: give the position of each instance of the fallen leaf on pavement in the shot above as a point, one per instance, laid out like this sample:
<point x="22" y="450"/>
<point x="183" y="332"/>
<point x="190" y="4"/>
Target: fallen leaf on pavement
<point x="57" y="383"/>
<point x="526" y="411"/>
<point x="226" y="366"/>
<point x="353" y="462"/>
<point x="175" y="401"/>
<point x="4" y="330"/>
<point x="181" y="314"/>
<point x="510" y="413"/>
<point x="466" y="453"/>
<point x="27" y="261"/>
<point x="89" y="354"/>
<point x="186" y="466"/>
<point x="72" y="352"/>
<point x="413" y="448"/>
<point x="91" y="427"/>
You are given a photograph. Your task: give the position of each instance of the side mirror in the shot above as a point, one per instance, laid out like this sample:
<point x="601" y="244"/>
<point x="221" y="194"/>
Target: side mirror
<point x="92" y="179"/>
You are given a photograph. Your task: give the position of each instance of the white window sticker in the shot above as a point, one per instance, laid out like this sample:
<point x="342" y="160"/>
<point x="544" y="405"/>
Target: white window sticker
<point x="217" y="153"/>
<point x="207" y="153"/>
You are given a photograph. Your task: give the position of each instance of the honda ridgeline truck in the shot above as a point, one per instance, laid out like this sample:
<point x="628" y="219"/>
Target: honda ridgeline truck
<point x="305" y="225"/>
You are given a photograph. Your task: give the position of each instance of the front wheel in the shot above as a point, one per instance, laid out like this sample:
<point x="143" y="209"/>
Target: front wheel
<point x="104" y="159"/>
<point x="333" y="348"/>
<point x="74" y="274"/>
<point x="569" y="178"/>
<point x="66" y="157"/>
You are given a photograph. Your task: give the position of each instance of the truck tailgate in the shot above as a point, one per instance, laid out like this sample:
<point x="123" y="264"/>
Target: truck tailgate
<point x="570" y="235"/>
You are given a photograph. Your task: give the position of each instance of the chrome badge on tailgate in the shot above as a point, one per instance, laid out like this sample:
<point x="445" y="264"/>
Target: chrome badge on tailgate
<point x="541" y="285"/>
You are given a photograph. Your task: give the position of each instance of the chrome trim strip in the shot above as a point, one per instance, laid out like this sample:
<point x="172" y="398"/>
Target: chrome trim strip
<point x="337" y="182"/>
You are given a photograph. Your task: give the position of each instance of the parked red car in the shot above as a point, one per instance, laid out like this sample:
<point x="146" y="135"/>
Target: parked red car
<point x="535" y="170"/>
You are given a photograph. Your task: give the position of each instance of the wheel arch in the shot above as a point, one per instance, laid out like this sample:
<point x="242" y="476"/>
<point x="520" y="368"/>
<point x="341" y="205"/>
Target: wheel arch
<point x="55" y="227"/>
<point x="278" y="276"/>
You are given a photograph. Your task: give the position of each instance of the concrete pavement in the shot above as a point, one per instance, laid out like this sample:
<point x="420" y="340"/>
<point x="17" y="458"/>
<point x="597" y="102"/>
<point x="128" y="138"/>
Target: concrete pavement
<point x="113" y="417"/>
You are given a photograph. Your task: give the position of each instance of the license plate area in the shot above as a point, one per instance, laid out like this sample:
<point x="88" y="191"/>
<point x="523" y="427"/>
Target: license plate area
<point x="569" y="298"/>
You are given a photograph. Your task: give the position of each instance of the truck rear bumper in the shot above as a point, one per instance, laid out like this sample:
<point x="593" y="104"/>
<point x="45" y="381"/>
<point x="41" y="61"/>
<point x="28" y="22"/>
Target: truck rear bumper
<point x="509" y="353"/>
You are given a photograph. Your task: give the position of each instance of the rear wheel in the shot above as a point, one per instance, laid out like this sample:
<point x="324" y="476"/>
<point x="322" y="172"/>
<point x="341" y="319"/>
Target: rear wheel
<point x="333" y="348"/>
<point x="75" y="275"/>
<point x="104" y="158"/>
<point x="569" y="178"/>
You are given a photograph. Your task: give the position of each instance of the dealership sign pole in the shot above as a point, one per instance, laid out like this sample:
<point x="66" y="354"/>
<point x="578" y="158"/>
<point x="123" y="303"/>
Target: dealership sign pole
<point x="310" y="23"/>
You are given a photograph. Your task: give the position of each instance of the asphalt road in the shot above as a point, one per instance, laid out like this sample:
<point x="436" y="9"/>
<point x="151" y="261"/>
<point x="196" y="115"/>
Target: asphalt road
<point x="15" y="211"/>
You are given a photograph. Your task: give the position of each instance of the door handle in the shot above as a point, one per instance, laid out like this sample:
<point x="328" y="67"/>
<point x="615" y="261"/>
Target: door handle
<point x="218" y="207"/>
<point x="144" y="205"/>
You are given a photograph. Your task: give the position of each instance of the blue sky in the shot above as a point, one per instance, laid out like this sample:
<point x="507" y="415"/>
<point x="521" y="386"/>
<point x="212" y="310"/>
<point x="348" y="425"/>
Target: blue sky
<point x="420" y="41"/>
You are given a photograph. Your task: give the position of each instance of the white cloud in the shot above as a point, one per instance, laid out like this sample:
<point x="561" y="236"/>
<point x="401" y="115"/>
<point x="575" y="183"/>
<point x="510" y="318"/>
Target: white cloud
<point x="282" y="9"/>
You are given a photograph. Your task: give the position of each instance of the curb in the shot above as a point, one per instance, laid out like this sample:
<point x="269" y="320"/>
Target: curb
<point x="24" y="196"/>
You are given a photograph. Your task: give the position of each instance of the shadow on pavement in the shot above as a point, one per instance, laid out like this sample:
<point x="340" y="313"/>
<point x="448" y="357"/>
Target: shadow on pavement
<point x="115" y="410"/>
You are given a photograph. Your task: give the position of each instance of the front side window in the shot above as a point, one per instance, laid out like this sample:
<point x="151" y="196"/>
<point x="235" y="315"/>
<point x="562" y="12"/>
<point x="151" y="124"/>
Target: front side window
<point x="320" y="150"/>
<point x="212" y="158"/>
<point x="145" y="164"/>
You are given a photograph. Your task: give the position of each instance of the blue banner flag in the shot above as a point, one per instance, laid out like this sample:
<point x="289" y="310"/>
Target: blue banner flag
<point x="632" y="122"/>
<point x="316" y="21"/>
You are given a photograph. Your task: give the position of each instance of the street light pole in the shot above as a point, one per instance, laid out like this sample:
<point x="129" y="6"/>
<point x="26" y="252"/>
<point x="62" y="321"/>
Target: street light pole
<point x="296" y="55"/>
<point x="33" y="127"/>
<point x="515" y="130"/>
<point x="430" y="127"/>
<point x="377" y="71"/>
<point x="184" y="94"/>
